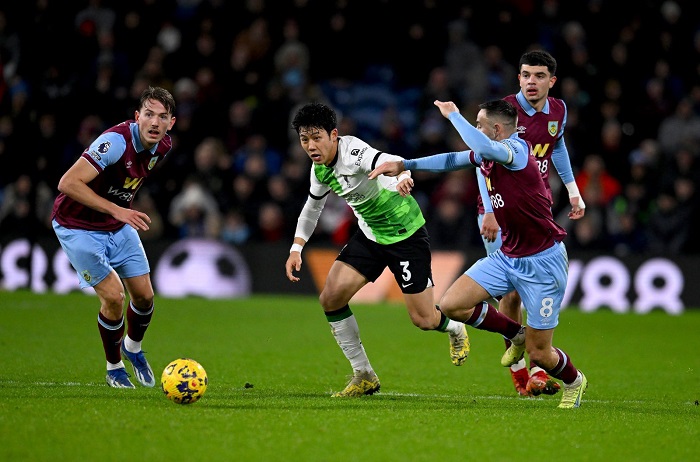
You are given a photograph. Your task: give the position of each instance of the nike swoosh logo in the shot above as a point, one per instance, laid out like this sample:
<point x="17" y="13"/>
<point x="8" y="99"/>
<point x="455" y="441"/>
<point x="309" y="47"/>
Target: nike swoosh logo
<point x="406" y="285"/>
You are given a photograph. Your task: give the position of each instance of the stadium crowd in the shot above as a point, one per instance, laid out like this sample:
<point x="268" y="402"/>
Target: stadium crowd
<point x="239" y="69"/>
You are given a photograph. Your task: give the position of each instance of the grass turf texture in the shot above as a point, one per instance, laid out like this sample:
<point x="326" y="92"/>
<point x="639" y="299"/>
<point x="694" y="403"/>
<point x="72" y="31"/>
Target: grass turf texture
<point x="641" y="403"/>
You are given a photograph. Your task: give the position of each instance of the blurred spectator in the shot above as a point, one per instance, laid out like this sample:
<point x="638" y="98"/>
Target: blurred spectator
<point x="9" y="144"/>
<point x="392" y="133"/>
<point x="280" y="193"/>
<point x="26" y="209"/>
<point x="438" y="87"/>
<point x="48" y="167"/>
<point x="502" y="77"/>
<point x="235" y="230"/>
<point x="681" y="127"/>
<point x="143" y="202"/>
<point x="595" y="183"/>
<point x="653" y="108"/>
<point x="449" y="227"/>
<point x="669" y="225"/>
<point x="292" y="59"/>
<point x="10" y="50"/>
<point x="239" y="125"/>
<point x="628" y="237"/>
<point x="185" y="92"/>
<point x="247" y="198"/>
<point x="89" y="128"/>
<point x="95" y="17"/>
<point x="271" y="223"/>
<point x="466" y="70"/>
<point x="194" y="212"/>
<point x="588" y="232"/>
<point x="239" y="69"/>
<point x="213" y="169"/>
<point x="256" y="159"/>
<point x="452" y="214"/>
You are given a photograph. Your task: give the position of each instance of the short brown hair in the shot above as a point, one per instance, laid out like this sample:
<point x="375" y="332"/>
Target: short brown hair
<point x="159" y="94"/>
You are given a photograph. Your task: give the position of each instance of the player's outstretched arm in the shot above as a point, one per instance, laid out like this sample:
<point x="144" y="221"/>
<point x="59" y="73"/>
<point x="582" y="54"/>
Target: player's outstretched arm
<point x="391" y="168"/>
<point x="446" y="108"/>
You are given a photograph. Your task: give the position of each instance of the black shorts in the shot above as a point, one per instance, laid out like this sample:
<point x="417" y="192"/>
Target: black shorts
<point x="409" y="260"/>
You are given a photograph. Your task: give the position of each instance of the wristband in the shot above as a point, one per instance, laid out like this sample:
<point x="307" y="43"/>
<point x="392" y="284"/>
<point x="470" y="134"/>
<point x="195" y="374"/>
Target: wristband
<point x="574" y="192"/>
<point x="296" y="248"/>
<point x="573" y="189"/>
<point x="403" y="176"/>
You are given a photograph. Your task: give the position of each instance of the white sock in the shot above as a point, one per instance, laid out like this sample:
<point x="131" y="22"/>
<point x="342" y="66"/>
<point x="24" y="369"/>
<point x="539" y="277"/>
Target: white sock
<point x="347" y="335"/>
<point x="454" y="327"/>
<point x="111" y="367"/>
<point x="576" y="382"/>
<point x="131" y="346"/>
<point x="536" y="369"/>
<point x="519" y="365"/>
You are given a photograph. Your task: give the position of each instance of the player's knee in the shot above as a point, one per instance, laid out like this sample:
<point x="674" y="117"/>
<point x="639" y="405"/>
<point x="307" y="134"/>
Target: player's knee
<point x="539" y="357"/>
<point x="330" y="301"/>
<point x="511" y="301"/>
<point x="448" y="310"/>
<point x="142" y="301"/>
<point x="113" y="303"/>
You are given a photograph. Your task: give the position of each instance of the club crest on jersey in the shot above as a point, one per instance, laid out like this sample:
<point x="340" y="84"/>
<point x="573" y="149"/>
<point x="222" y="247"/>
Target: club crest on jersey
<point x="87" y="276"/>
<point x="104" y="147"/>
<point x="152" y="163"/>
<point x="553" y="127"/>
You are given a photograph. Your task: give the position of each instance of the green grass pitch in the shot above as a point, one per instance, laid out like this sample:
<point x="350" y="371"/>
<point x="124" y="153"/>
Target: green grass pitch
<point x="641" y="405"/>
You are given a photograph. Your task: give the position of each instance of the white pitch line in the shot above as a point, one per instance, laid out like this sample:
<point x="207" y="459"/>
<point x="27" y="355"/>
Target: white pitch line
<point x="505" y="398"/>
<point x="391" y="393"/>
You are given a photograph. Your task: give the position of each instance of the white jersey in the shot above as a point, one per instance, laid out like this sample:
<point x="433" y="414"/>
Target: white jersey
<point x="383" y="215"/>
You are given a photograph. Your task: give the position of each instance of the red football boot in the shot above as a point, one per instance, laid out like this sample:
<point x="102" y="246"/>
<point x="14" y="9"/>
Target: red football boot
<point x="540" y="383"/>
<point x="520" y="380"/>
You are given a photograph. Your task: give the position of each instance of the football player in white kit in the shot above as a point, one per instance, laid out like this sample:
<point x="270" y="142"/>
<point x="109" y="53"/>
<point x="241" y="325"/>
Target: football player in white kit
<point x="391" y="233"/>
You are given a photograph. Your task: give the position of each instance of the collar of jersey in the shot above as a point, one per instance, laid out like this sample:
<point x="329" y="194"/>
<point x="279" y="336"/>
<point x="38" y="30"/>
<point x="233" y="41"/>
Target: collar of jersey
<point x="529" y="110"/>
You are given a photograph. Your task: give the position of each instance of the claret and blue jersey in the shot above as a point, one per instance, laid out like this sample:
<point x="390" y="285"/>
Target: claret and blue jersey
<point x="122" y="163"/>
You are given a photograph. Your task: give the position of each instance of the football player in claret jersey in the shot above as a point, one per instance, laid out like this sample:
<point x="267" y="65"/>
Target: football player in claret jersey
<point x="97" y="229"/>
<point x="391" y="234"/>
<point x="541" y="122"/>
<point x="532" y="258"/>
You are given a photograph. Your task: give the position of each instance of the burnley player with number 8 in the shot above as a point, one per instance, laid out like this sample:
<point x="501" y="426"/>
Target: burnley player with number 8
<point x="541" y="122"/>
<point x="532" y="258"/>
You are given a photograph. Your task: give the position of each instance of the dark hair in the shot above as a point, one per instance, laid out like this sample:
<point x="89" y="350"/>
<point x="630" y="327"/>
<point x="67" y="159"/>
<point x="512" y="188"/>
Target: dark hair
<point x="539" y="58"/>
<point x="315" y="115"/>
<point x="159" y="94"/>
<point x="501" y="109"/>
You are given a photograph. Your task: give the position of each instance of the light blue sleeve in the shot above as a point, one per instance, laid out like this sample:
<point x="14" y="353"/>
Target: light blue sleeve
<point x="107" y="148"/>
<point x="561" y="161"/>
<point x="480" y="143"/>
<point x="444" y="162"/>
<point x="488" y="208"/>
